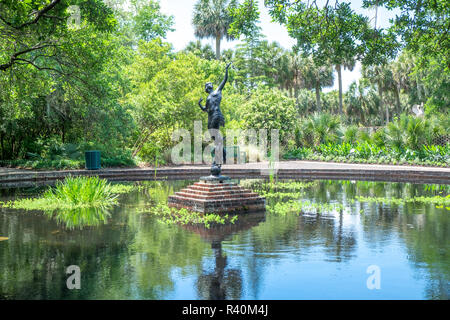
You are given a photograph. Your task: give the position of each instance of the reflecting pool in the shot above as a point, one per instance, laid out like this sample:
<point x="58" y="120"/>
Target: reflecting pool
<point x="321" y="251"/>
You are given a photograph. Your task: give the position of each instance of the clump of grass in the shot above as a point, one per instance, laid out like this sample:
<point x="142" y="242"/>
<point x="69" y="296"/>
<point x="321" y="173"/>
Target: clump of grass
<point x="83" y="191"/>
<point x="183" y="216"/>
<point x="73" y="193"/>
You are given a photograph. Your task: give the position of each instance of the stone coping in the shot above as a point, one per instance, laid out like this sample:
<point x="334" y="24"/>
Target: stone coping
<point x="12" y="178"/>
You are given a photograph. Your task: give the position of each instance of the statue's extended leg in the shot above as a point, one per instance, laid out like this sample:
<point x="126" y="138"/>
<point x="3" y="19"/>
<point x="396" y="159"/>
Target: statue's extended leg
<point x="218" y="147"/>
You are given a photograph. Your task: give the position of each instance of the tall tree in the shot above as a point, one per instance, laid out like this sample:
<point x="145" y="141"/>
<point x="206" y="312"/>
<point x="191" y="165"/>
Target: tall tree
<point x="196" y="47"/>
<point x="331" y="34"/>
<point x="245" y="19"/>
<point x="212" y="19"/>
<point x="149" y="22"/>
<point x="62" y="80"/>
<point x="422" y="25"/>
<point x="381" y="76"/>
<point x="316" y="77"/>
<point x="36" y="32"/>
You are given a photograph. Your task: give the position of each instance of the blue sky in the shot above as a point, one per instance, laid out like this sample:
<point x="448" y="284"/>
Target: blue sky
<point x="184" y="31"/>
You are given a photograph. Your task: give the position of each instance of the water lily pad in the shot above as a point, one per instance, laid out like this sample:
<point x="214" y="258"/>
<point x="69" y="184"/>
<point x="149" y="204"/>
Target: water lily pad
<point x="3" y="238"/>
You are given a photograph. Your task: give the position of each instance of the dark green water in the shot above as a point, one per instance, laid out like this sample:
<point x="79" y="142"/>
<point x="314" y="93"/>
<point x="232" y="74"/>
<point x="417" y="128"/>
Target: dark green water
<point x="263" y="256"/>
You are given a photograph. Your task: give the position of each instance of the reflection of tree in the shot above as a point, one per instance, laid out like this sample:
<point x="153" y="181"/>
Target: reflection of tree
<point x="34" y="265"/>
<point x="156" y="250"/>
<point x="422" y="227"/>
<point x="427" y="242"/>
<point x="134" y="255"/>
<point x="129" y="258"/>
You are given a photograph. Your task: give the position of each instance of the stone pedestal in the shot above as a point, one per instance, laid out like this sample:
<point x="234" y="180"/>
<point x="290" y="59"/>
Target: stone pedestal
<point x="217" y="194"/>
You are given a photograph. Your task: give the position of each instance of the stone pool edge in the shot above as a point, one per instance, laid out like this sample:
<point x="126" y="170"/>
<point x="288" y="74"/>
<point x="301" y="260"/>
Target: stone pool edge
<point x="287" y="170"/>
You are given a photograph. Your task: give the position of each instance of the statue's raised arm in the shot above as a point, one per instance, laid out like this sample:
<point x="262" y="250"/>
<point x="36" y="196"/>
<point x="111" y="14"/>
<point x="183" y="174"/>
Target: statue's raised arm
<point x="222" y="84"/>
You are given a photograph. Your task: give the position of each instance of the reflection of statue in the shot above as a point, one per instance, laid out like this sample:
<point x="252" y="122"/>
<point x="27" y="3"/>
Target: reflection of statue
<point x="215" y="116"/>
<point x="223" y="282"/>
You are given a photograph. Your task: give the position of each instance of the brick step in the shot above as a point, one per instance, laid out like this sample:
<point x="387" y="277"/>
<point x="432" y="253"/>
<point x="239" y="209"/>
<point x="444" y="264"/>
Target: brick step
<point x="194" y="187"/>
<point x="210" y="196"/>
<point x="209" y="184"/>
<point x="217" y="192"/>
<point x="214" y="185"/>
<point x="238" y="199"/>
<point x="239" y="208"/>
<point x="215" y="197"/>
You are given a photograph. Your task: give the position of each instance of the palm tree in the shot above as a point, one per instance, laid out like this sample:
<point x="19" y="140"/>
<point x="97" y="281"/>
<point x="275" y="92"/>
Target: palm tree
<point x="349" y="65"/>
<point x="361" y="101"/>
<point x="274" y="63"/>
<point x="378" y="76"/>
<point x="205" y="52"/>
<point x="212" y="20"/>
<point x="323" y="127"/>
<point x="294" y="80"/>
<point x="316" y="77"/>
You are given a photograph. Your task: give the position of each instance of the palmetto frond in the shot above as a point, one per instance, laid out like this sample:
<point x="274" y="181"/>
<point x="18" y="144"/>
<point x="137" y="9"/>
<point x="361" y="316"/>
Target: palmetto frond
<point x="212" y="18"/>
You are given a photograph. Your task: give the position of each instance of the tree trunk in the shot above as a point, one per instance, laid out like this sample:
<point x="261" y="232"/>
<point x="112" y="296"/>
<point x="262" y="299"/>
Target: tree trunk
<point x="63" y="133"/>
<point x="339" y="72"/>
<point x="397" y="100"/>
<point x="387" y="114"/>
<point x="319" y="106"/>
<point x="2" y="144"/>
<point x="217" y="47"/>
<point x="376" y="15"/>
<point x="419" y="95"/>
<point x="13" y="146"/>
<point x="380" y="94"/>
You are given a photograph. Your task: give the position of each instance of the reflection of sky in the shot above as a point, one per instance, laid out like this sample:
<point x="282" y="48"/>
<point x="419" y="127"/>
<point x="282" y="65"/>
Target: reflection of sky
<point x="310" y="277"/>
<point x="305" y="257"/>
<point x="184" y="31"/>
<point x="310" y="272"/>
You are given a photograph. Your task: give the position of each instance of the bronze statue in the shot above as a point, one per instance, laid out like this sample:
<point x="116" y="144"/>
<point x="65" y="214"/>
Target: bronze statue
<point x="215" y="116"/>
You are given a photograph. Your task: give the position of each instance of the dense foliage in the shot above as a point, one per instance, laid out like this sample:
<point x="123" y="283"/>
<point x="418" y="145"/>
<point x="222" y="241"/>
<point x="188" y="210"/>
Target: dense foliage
<point x="78" y="75"/>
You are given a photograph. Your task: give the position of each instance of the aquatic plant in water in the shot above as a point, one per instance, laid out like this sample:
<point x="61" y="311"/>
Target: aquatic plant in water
<point x="183" y="216"/>
<point x="280" y="195"/>
<point x="76" y="202"/>
<point x="74" y="192"/>
<point x="287" y="185"/>
<point x="80" y="217"/>
<point x="440" y="201"/>
<point x="298" y="207"/>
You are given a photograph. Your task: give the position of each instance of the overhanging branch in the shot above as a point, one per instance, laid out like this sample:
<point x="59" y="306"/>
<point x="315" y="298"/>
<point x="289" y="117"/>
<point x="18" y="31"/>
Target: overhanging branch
<point x="15" y="56"/>
<point x="38" y="15"/>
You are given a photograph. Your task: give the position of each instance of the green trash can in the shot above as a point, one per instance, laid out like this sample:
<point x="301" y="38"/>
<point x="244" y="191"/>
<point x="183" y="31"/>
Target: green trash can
<point x="92" y="159"/>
